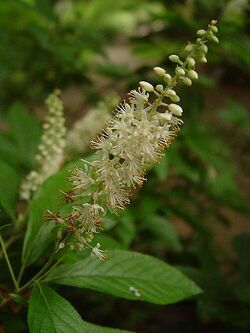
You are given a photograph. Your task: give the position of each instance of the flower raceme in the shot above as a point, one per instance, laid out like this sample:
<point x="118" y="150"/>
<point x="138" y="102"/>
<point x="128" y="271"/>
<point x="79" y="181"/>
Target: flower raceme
<point x="50" y="154"/>
<point x="129" y="145"/>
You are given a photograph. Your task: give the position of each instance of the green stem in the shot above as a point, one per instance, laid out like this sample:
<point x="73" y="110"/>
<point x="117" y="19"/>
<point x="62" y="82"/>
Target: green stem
<point x="20" y="275"/>
<point x="8" y="263"/>
<point x="39" y="274"/>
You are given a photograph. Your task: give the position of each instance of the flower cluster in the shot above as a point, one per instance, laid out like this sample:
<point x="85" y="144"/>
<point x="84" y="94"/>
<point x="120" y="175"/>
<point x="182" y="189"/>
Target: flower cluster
<point x="131" y="142"/>
<point x="50" y="154"/>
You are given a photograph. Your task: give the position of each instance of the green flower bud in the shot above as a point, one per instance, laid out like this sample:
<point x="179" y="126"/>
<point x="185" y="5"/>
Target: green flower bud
<point x="159" y="71"/>
<point x="167" y="77"/>
<point x="203" y="59"/>
<point x="159" y="88"/>
<point x="189" y="48"/>
<point x="201" y="32"/>
<point x="175" y="58"/>
<point x="204" y="48"/>
<point x="215" y="39"/>
<point x="170" y="92"/>
<point x="214" y="28"/>
<point x="187" y="81"/>
<point x="193" y="74"/>
<point x="191" y="61"/>
<point x="175" y="98"/>
<point x="179" y="71"/>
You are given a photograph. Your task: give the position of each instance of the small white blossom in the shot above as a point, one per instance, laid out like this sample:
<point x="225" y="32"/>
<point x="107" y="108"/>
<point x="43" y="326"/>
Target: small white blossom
<point x="100" y="254"/>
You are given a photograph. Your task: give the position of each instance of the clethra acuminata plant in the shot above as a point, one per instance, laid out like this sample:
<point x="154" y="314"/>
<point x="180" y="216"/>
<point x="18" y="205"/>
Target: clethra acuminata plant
<point x="129" y="145"/>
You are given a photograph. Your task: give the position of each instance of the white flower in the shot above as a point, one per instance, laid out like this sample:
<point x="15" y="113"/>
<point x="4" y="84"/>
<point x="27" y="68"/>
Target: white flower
<point x="89" y="217"/>
<point x="100" y="254"/>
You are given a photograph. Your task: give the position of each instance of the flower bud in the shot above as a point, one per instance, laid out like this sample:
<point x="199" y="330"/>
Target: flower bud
<point x="175" y="58"/>
<point x="189" y="48"/>
<point x="215" y="39"/>
<point x="201" y="32"/>
<point x="191" y="61"/>
<point x="175" y="109"/>
<point x="175" y="98"/>
<point x="203" y="59"/>
<point x="179" y="71"/>
<point x="204" y="48"/>
<point x="187" y="81"/>
<point x="214" y="28"/>
<point x="164" y="116"/>
<point x="61" y="246"/>
<point x="167" y="77"/>
<point x="170" y="92"/>
<point x="159" y="71"/>
<point x="146" y="86"/>
<point x="193" y="74"/>
<point x="159" y="88"/>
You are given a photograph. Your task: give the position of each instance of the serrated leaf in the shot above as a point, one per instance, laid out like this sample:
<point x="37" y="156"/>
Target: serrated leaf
<point x="50" y="312"/>
<point x="9" y="180"/>
<point x="130" y="275"/>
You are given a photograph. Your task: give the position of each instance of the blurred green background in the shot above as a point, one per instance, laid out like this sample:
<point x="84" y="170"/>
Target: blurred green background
<point x="193" y="210"/>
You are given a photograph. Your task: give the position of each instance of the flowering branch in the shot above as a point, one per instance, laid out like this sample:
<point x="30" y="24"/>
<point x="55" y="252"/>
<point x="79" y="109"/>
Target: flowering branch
<point x="130" y="144"/>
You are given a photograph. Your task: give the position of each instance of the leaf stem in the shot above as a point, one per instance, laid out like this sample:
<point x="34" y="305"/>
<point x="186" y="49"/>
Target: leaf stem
<point x="8" y="263"/>
<point x="20" y="275"/>
<point x="40" y="273"/>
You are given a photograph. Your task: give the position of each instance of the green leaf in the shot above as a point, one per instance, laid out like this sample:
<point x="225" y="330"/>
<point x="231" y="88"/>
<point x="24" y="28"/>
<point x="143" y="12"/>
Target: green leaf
<point x="50" y="312"/>
<point x="25" y="132"/>
<point x="163" y="230"/>
<point x="9" y="181"/>
<point x="127" y="274"/>
<point x="38" y="235"/>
